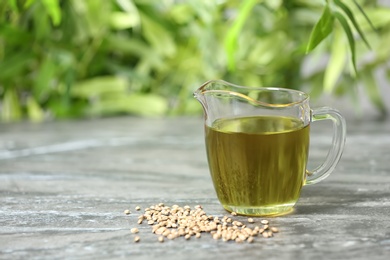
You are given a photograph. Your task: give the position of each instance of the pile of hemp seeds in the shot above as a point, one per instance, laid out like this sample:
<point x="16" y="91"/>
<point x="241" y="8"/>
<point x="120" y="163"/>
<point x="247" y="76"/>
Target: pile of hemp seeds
<point x="175" y="221"/>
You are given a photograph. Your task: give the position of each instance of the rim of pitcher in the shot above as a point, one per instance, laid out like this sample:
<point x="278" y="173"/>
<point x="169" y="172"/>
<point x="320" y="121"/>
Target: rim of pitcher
<point x="303" y="96"/>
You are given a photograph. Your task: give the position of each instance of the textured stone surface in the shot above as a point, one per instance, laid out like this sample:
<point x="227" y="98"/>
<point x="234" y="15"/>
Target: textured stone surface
<point x="64" y="187"/>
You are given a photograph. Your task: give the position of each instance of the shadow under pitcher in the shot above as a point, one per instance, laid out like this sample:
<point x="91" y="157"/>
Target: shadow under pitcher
<point x="257" y="142"/>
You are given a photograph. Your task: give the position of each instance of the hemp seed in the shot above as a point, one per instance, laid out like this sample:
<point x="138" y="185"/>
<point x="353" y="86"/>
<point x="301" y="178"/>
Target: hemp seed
<point x="274" y="229"/>
<point x="264" y="222"/>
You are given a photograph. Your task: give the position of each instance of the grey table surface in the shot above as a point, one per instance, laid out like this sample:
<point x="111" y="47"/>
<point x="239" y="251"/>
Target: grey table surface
<point x="65" y="185"/>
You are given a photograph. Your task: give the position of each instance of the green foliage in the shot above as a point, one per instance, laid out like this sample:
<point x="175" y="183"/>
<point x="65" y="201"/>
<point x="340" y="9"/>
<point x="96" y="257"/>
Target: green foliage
<point x="348" y="32"/>
<point x="233" y="33"/>
<point x="71" y="58"/>
<point x="322" y="29"/>
<point x="351" y="17"/>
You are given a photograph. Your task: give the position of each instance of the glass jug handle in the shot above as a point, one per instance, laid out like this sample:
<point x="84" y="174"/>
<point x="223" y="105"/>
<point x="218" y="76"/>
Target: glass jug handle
<point x="338" y="141"/>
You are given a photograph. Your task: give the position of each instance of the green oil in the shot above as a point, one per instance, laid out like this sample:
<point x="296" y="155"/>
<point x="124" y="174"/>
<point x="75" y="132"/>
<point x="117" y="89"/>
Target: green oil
<point x="258" y="164"/>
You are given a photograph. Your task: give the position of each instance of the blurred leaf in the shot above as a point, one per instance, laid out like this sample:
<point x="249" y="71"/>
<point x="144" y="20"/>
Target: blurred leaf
<point x="267" y="51"/>
<point x="304" y="17"/>
<point x="348" y="32"/>
<point x="379" y="17"/>
<point x="372" y="89"/>
<point x="382" y="48"/>
<point x="121" y="20"/>
<point x="336" y="63"/>
<point x="34" y="111"/>
<point x="128" y="46"/>
<point x="11" y="108"/>
<point x="181" y="13"/>
<point x="352" y="19"/>
<point x="45" y="75"/>
<point x="14" y="35"/>
<point x="59" y="109"/>
<point x="99" y="86"/>
<point x="28" y="3"/>
<point x="13" y="4"/>
<point x="13" y="66"/>
<point x="137" y="104"/>
<point x="53" y="9"/>
<point x="365" y="15"/>
<point x="146" y="105"/>
<point x="321" y="30"/>
<point x="127" y="5"/>
<point x="158" y="36"/>
<point x="42" y="25"/>
<point x="205" y="10"/>
<point x="92" y="17"/>
<point x="230" y="42"/>
<point x="274" y="4"/>
<point x="132" y="18"/>
<point x="63" y="59"/>
<point x="309" y="3"/>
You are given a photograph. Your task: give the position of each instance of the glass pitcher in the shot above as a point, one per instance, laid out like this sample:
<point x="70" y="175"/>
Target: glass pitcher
<point x="257" y="142"/>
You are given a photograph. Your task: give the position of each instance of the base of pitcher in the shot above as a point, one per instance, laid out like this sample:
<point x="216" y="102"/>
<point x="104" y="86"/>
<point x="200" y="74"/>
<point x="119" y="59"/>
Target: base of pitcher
<point x="261" y="211"/>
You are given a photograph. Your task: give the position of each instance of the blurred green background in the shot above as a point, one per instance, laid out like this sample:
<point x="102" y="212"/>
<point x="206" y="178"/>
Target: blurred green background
<point x="92" y="58"/>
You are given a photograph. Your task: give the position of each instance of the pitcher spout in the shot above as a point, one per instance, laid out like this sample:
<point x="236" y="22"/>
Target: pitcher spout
<point x="199" y="94"/>
<point x="217" y="97"/>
